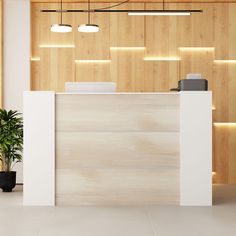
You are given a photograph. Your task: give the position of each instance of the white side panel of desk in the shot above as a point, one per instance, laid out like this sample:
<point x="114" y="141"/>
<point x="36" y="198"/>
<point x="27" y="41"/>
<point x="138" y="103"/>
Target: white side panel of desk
<point x="195" y="148"/>
<point x="39" y="148"/>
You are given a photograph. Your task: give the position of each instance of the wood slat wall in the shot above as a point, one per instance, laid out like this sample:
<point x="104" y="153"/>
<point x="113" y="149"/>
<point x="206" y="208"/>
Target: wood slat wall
<point x="196" y="41"/>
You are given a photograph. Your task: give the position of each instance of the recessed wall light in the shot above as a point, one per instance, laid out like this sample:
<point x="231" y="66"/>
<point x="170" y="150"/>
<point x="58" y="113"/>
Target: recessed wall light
<point x="225" y="124"/>
<point x="127" y="48"/>
<point x="57" y="46"/>
<point x="225" y="61"/>
<point x="161" y="59"/>
<point x="35" y="59"/>
<point x="92" y="61"/>
<point x="197" y="48"/>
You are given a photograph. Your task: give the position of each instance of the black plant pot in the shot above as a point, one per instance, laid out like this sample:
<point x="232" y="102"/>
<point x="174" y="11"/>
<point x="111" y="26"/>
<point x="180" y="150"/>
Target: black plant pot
<point x="7" y="181"/>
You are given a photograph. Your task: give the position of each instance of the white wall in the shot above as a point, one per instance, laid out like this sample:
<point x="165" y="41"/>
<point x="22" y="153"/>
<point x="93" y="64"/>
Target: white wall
<point x="16" y="57"/>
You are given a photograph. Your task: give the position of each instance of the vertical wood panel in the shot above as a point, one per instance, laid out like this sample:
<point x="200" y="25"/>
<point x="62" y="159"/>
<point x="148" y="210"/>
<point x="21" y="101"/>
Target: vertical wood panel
<point x="127" y="30"/>
<point x="92" y="45"/>
<point x="56" y="63"/>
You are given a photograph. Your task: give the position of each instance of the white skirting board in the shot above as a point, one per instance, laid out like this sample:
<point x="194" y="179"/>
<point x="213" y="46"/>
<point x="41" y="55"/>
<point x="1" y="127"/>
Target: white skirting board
<point x="195" y="148"/>
<point x="39" y="148"/>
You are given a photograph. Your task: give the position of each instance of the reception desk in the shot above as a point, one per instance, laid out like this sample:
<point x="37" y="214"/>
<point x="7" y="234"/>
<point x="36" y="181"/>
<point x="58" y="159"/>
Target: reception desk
<point x="117" y="149"/>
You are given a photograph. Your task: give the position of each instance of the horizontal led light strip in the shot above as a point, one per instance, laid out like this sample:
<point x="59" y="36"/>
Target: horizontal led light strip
<point x="127" y="48"/>
<point x="35" y="59"/>
<point x="225" y="61"/>
<point x="57" y="46"/>
<point x="161" y="59"/>
<point x="197" y="48"/>
<point x="163" y="13"/>
<point x="92" y="61"/>
<point x="225" y="124"/>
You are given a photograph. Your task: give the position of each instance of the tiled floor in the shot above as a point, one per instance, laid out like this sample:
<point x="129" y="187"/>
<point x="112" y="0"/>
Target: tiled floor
<point x="219" y="220"/>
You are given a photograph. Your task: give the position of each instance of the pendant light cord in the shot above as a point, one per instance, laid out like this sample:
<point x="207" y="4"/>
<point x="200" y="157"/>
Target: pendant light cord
<point x="61" y="11"/>
<point x="88" y="11"/>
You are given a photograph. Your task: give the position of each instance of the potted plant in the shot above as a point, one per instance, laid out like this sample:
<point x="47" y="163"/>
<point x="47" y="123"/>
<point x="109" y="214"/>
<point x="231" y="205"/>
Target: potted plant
<point x="11" y="146"/>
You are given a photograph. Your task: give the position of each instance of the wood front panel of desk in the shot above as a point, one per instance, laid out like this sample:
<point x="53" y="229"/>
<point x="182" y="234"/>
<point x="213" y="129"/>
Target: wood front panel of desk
<point x="117" y="149"/>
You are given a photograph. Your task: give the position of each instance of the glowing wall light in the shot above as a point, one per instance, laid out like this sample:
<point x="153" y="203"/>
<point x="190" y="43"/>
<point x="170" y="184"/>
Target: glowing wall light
<point x="161" y="59"/>
<point x="197" y="48"/>
<point x="93" y="61"/>
<point x="127" y="48"/>
<point x="35" y="59"/>
<point x="230" y="124"/>
<point x="224" y="61"/>
<point x="57" y="46"/>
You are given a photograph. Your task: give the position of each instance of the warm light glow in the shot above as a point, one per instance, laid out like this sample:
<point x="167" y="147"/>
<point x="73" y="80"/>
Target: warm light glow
<point x="161" y="59"/>
<point x="61" y="28"/>
<point x="92" y="61"/>
<point x="127" y="48"/>
<point x="88" y="28"/>
<point x="159" y="13"/>
<point x="225" y="61"/>
<point x="213" y="108"/>
<point x="196" y="48"/>
<point x="35" y="59"/>
<point x="213" y="173"/>
<point x="57" y="46"/>
<point x="225" y="124"/>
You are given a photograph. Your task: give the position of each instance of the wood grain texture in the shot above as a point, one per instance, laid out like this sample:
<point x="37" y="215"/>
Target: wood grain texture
<point x="117" y="149"/>
<point x="161" y="36"/>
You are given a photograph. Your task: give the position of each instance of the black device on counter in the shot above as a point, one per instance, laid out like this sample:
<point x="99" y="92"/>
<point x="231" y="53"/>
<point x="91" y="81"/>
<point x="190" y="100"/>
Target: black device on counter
<point x="191" y="85"/>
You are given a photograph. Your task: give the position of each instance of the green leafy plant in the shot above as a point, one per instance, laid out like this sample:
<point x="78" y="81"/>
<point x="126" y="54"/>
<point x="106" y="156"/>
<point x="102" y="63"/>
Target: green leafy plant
<point x="11" y="138"/>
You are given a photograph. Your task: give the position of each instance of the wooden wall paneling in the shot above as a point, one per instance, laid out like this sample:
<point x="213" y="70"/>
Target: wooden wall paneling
<point x="35" y="30"/>
<point x="92" y="72"/>
<point x="232" y="92"/>
<point x="184" y="27"/>
<point x="232" y="156"/>
<point x="221" y="154"/>
<point x="47" y="19"/>
<point x="197" y="62"/>
<point x="161" y="76"/>
<point x="221" y="30"/>
<point x="160" y="34"/>
<point x="220" y="92"/>
<point x="56" y="67"/>
<point x="127" y="70"/>
<point x="232" y="31"/>
<point x="92" y="45"/>
<point x="202" y="25"/>
<point x="35" y="75"/>
<point x="127" y="31"/>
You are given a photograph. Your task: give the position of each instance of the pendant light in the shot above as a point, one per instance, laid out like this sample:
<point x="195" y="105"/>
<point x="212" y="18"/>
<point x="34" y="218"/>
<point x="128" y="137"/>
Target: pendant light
<point x="88" y="28"/>
<point x="61" y="28"/>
